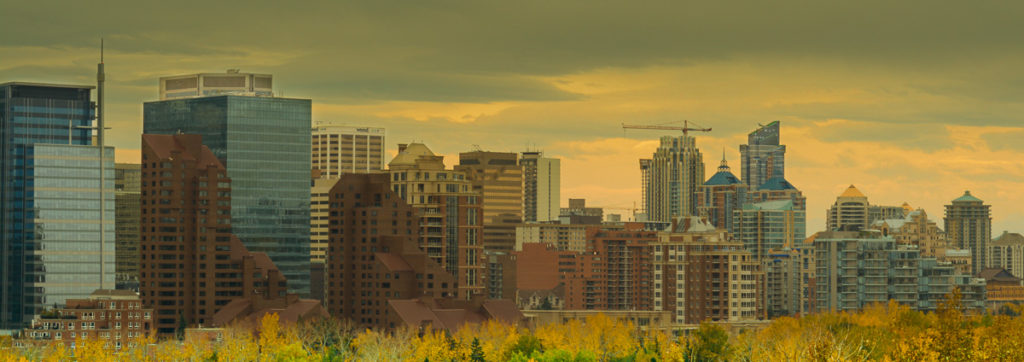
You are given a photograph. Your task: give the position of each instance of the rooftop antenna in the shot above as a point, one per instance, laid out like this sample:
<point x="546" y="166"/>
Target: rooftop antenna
<point x="101" y="107"/>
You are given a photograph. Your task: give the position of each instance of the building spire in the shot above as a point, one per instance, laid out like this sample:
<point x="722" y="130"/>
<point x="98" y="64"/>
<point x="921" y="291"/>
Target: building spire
<point x="724" y="167"/>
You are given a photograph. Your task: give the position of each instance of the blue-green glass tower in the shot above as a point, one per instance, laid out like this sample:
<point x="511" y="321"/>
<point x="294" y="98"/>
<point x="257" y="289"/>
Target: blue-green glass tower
<point x="56" y="243"/>
<point x="265" y="144"/>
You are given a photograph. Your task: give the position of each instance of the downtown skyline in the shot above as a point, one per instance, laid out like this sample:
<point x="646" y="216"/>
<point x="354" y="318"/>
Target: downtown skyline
<point x="913" y="113"/>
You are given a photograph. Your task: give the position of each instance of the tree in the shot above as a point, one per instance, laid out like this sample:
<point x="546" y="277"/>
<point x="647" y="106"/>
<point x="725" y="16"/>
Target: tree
<point x="709" y="342"/>
<point x="476" y="353"/>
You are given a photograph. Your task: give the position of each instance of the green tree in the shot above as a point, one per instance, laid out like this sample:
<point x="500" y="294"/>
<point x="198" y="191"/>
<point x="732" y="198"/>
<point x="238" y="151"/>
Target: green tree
<point x="526" y="345"/>
<point x="476" y="352"/>
<point x="709" y="343"/>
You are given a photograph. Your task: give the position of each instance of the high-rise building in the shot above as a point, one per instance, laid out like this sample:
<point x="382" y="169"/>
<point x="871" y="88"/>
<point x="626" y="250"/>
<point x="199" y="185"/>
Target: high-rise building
<point x="719" y="196"/>
<point x="191" y="264"/>
<point x="969" y="226"/>
<point x="1007" y="251"/>
<point x="127" y="180"/>
<point x="450" y="214"/>
<point x="216" y="84"/>
<point x="562" y="237"/>
<point x="318" y="227"/>
<point x="777" y="188"/>
<point x="789" y="287"/>
<point x="542" y="177"/>
<point x="770" y="225"/>
<point x="700" y="273"/>
<point x="339" y="149"/>
<point x="264" y="142"/>
<point x="762" y="157"/>
<point x="498" y="179"/>
<point x="56" y="222"/>
<point x="856" y="269"/>
<point x="674" y="175"/>
<point x="849" y="212"/>
<point x="374" y="256"/>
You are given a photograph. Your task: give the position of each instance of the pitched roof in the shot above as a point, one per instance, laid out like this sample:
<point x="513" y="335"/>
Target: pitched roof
<point x="722" y="178"/>
<point x="967" y="197"/>
<point x="1008" y="238"/>
<point x="852" y="191"/>
<point x="776" y="183"/>
<point x="997" y="274"/>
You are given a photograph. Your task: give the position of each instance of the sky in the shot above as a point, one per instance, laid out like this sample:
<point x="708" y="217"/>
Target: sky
<point x="911" y="101"/>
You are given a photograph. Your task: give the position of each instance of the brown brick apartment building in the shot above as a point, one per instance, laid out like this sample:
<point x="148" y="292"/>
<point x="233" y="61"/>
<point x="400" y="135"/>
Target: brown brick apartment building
<point x="114" y="316"/>
<point x="191" y="264"/>
<point x="374" y="254"/>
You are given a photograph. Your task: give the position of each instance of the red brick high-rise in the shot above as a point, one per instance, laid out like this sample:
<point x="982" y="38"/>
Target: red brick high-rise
<point x="373" y="254"/>
<point x="191" y="264"/>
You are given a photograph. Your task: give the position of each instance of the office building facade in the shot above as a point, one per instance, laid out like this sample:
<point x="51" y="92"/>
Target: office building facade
<point x="762" y="158"/>
<point x="498" y="178"/>
<point x="264" y="144"/>
<point x="127" y="194"/>
<point x="339" y="149"/>
<point x="769" y="226"/>
<point x="674" y="175"/>
<point x="542" y="177"/>
<point x="57" y="206"/>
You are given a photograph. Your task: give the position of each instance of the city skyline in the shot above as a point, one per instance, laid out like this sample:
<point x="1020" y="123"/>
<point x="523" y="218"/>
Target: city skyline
<point x="913" y="113"/>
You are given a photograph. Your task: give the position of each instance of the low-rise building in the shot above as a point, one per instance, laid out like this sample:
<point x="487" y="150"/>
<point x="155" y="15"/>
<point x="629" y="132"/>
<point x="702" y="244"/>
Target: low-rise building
<point x="114" y="316"/>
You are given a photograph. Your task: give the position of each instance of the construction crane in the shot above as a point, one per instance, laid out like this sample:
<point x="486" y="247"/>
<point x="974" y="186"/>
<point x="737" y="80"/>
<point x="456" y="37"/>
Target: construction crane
<point x="685" y="128"/>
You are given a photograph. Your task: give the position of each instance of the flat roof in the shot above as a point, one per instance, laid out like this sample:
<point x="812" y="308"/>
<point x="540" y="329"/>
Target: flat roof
<point x="53" y="85"/>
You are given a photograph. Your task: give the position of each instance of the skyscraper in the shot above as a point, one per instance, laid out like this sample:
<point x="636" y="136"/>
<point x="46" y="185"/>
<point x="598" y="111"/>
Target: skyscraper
<point x="498" y="178"/>
<point x="57" y="223"/>
<point x="450" y="214"/>
<point x="720" y="195"/>
<point x="541" y="187"/>
<point x="969" y="226"/>
<point x="762" y="157"/>
<point x="674" y="175"/>
<point x="339" y="149"/>
<point x="127" y="180"/>
<point x="191" y="264"/>
<point x="216" y="84"/>
<point x="264" y="142"/>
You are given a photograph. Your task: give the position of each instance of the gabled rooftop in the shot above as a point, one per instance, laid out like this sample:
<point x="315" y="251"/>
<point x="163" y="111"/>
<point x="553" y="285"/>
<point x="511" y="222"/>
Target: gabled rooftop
<point x="776" y="183"/>
<point x="852" y="191"/>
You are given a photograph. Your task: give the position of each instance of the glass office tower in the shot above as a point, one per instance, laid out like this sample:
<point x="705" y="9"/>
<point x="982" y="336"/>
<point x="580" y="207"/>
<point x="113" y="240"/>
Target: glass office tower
<point x="56" y="244"/>
<point x="264" y="142"/>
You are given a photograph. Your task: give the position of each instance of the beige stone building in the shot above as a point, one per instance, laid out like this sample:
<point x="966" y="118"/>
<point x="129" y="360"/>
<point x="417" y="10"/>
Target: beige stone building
<point x="701" y="274"/>
<point x="318" y="233"/>
<point x="563" y="237"/>
<point x="1007" y="251"/>
<point x="451" y="218"/>
<point x="915" y="229"/>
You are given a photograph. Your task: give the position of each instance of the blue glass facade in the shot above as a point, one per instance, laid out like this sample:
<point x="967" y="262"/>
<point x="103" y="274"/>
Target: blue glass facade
<point x="51" y="223"/>
<point x="265" y="144"/>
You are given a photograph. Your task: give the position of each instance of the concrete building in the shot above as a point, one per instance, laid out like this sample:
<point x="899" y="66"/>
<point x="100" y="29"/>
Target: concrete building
<point x="762" y="157"/>
<point x="318" y="220"/>
<point x="969" y="226"/>
<point x="720" y="196"/>
<point x="700" y="274"/>
<point x="191" y="264"/>
<point x="498" y="179"/>
<point x="769" y="225"/>
<point x="1007" y="251"/>
<point x="339" y="149"/>
<point x="264" y="142"/>
<point x="915" y="229"/>
<point x="127" y="182"/>
<point x="777" y="188"/>
<point x="374" y="254"/>
<point x="451" y="218"/>
<point x="562" y="237"/>
<point x="855" y="269"/>
<point x="788" y="281"/>
<point x="216" y="84"/>
<point x="542" y="185"/>
<point x="115" y="316"/>
<point x="849" y="212"/>
<point x="57" y="232"/>
<point x="578" y="213"/>
<point x="672" y="177"/>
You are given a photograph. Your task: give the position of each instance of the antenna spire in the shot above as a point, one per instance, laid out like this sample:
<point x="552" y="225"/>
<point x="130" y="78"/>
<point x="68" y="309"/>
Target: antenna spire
<point x="101" y="50"/>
